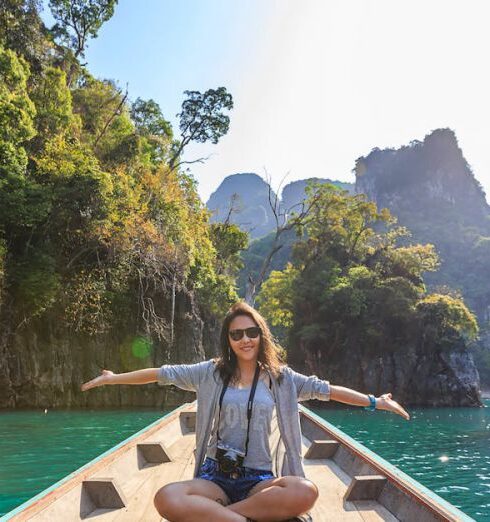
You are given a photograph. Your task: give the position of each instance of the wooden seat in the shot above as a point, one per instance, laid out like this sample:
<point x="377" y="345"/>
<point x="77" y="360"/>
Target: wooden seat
<point x="322" y="449"/>
<point x="366" y="487"/>
<point x="101" y="493"/>
<point x="154" y="452"/>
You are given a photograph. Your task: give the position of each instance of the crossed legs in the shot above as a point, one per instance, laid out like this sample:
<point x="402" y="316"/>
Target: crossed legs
<point x="269" y="501"/>
<point x="194" y="501"/>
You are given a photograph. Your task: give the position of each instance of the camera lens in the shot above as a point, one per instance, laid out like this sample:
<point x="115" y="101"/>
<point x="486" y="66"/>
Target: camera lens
<point x="227" y="465"/>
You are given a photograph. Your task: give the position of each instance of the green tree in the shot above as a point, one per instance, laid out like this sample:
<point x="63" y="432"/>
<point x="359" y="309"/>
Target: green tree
<point x="228" y="240"/>
<point x="351" y="287"/>
<point x="446" y="320"/>
<point x="17" y="114"/>
<point x="53" y="102"/>
<point x="96" y="226"/>
<point x="22" y="31"/>
<point x="35" y="283"/>
<point x="157" y="131"/>
<point x="106" y="124"/>
<point x="202" y="119"/>
<point x="79" y="20"/>
<point x="276" y="300"/>
<point x="149" y="120"/>
<point x="81" y="192"/>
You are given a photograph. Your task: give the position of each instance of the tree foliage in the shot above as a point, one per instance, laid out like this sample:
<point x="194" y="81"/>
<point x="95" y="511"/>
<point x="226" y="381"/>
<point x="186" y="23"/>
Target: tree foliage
<point x="446" y="319"/>
<point x="79" y="20"/>
<point x="22" y="31"/>
<point x="202" y="119"/>
<point x="153" y="128"/>
<point x="53" y="102"/>
<point x="17" y="113"/>
<point x="351" y="286"/>
<point x="97" y="226"/>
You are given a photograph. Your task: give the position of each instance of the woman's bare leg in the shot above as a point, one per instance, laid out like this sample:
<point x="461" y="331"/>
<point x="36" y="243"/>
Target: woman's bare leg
<point x="196" y="500"/>
<point x="277" y="499"/>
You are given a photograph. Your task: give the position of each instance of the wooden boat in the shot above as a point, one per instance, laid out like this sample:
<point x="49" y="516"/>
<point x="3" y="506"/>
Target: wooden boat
<point x="355" y="484"/>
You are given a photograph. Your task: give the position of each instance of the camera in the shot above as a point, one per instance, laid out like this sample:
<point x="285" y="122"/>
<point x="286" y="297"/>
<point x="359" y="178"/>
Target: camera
<point x="229" y="458"/>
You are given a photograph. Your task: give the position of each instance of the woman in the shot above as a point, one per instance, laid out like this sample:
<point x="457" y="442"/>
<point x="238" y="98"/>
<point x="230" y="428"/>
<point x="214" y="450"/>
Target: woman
<point x="239" y="395"/>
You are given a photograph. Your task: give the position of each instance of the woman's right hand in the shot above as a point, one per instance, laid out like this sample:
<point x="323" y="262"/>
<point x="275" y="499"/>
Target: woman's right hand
<point x="106" y="377"/>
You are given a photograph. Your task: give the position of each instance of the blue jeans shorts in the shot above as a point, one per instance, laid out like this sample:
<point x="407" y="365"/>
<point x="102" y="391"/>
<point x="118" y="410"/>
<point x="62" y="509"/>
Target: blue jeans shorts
<point x="236" y="488"/>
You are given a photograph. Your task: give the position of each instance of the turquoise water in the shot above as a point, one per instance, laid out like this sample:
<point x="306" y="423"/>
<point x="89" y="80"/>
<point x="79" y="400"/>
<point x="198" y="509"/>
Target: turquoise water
<point x="37" y="450"/>
<point x="447" y="450"/>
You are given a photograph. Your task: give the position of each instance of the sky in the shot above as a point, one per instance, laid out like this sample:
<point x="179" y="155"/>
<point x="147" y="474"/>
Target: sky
<point x="316" y="83"/>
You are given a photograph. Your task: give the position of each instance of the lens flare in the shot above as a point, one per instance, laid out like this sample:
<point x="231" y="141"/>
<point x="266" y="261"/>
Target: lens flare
<point x="141" y="347"/>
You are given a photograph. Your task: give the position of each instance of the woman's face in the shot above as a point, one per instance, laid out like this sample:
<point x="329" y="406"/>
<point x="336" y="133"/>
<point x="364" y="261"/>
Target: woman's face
<point x="246" y="349"/>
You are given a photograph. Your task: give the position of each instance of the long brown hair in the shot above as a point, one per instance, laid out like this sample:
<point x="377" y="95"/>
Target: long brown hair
<point x="268" y="357"/>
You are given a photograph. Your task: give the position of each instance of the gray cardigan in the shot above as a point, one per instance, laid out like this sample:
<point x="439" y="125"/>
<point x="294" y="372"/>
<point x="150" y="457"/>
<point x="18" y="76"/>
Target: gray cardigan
<point x="204" y="379"/>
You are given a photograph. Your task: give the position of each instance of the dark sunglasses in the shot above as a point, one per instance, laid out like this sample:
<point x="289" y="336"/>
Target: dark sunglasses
<point x="252" y="333"/>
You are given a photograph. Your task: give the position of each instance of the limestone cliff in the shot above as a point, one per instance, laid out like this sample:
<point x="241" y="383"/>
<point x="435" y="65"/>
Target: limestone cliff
<point x="43" y="365"/>
<point x="414" y="378"/>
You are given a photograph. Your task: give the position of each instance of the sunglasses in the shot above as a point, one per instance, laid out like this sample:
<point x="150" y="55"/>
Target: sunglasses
<point x="251" y="332"/>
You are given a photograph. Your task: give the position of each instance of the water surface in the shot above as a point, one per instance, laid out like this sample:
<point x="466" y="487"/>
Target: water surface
<point x="37" y="450"/>
<point x="445" y="449"/>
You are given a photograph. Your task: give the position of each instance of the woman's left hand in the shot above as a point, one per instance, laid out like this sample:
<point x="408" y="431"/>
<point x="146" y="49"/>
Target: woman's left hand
<point x="385" y="402"/>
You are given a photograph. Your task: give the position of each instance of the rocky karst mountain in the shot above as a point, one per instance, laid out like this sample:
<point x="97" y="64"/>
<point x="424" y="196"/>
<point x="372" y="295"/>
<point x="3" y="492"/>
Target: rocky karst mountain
<point x="427" y="180"/>
<point x="248" y="195"/>
<point x="293" y="193"/>
<point x="429" y="186"/>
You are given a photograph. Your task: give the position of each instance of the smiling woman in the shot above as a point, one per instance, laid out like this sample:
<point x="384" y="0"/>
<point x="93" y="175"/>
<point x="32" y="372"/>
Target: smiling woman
<point x="239" y="395"/>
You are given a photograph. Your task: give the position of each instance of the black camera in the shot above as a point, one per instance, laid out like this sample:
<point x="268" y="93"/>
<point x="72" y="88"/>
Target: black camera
<point x="229" y="459"/>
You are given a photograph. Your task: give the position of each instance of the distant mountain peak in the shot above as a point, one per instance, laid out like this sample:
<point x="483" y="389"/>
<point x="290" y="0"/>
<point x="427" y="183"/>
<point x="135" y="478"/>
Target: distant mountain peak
<point x="422" y="174"/>
<point x="251" y="204"/>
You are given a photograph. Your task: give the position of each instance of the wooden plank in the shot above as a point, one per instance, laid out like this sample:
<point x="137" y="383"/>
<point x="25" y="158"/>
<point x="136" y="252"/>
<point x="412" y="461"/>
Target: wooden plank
<point x="140" y="506"/>
<point x="332" y="485"/>
<point x="104" y="493"/>
<point x="419" y="498"/>
<point x="372" y="511"/>
<point x="154" y="452"/>
<point x="188" y="421"/>
<point x="366" y="487"/>
<point x="322" y="449"/>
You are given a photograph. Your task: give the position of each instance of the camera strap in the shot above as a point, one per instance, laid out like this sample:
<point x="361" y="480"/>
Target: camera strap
<point x="249" y="405"/>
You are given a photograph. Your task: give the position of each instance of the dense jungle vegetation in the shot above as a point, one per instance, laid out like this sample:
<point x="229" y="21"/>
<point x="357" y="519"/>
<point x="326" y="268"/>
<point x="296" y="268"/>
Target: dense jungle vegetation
<point x="99" y="220"/>
<point x="351" y="287"/>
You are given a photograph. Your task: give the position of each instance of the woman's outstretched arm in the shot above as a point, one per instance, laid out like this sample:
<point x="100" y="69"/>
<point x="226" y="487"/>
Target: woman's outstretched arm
<point x="355" y="398"/>
<point x="311" y="387"/>
<point x="144" y="376"/>
<point x="185" y="376"/>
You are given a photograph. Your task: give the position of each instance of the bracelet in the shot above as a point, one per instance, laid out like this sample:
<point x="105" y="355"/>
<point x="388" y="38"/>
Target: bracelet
<point x="372" y="403"/>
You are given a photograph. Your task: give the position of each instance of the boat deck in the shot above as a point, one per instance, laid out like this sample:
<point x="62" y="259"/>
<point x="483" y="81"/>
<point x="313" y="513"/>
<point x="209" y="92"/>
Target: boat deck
<point x="120" y="485"/>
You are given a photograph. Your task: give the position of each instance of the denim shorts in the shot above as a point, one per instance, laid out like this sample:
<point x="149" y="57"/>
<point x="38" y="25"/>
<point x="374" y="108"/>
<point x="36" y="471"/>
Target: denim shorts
<point x="236" y="488"/>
